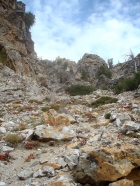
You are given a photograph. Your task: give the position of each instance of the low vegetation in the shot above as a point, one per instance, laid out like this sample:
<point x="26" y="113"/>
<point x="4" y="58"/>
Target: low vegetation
<point x="45" y="109"/>
<point x="13" y="138"/>
<point x="32" y="144"/>
<point x="34" y="101"/>
<point x="84" y="75"/>
<point x="107" y="115"/>
<point x="5" y="157"/>
<point x="128" y="84"/>
<point x="104" y="71"/>
<point x="103" y="101"/>
<point x="104" y="88"/>
<point x="29" y="19"/>
<point x="54" y="106"/>
<point x="74" y="90"/>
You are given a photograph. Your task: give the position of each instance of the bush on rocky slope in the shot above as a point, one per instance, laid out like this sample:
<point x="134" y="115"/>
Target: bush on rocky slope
<point x="102" y="101"/>
<point x="107" y="115"/>
<point x="128" y="84"/>
<point x="105" y="71"/>
<point x="79" y="90"/>
<point x="29" y="19"/>
<point x="12" y="138"/>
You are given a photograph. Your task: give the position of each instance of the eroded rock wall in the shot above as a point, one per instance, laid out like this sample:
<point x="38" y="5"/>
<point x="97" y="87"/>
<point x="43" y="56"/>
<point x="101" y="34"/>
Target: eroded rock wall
<point x="16" y="45"/>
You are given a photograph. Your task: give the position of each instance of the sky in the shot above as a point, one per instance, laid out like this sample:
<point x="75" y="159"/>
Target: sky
<point x="71" y="28"/>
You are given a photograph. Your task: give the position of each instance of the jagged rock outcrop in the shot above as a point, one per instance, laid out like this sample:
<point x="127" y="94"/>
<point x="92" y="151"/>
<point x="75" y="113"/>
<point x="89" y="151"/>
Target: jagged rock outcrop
<point x="59" y="72"/>
<point x="88" y="66"/>
<point x="107" y="164"/>
<point x="63" y="72"/>
<point x="126" y="69"/>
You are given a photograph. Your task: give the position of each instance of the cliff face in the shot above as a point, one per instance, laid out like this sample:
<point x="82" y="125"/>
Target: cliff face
<point x="16" y="45"/>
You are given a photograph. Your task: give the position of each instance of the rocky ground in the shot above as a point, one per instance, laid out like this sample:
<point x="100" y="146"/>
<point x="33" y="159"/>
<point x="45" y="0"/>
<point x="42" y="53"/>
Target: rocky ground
<point x="53" y="139"/>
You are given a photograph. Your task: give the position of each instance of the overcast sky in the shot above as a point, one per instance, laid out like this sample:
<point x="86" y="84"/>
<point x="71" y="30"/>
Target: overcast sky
<point x="71" y="28"/>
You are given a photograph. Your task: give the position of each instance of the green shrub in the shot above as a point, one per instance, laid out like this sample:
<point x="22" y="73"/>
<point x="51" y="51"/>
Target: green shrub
<point x="65" y="65"/>
<point x="34" y="101"/>
<point x="105" y="71"/>
<point x="52" y="106"/>
<point x="79" y="90"/>
<point x="107" y="115"/>
<point x="103" y="101"/>
<point x="104" y="88"/>
<point x="13" y="138"/>
<point x="128" y="84"/>
<point x="29" y="19"/>
<point x="45" y="109"/>
<point x="55" y="106"/>
<point x="84" y="75"/>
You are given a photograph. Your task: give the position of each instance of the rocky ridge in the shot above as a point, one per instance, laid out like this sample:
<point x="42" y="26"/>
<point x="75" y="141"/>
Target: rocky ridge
<point x="89" y="70"/>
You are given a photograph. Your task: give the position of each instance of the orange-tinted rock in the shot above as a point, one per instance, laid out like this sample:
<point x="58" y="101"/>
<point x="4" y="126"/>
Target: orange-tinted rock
<point x="53" y="165"/>
<point x="108" y="163"/>
<point x="54" y="119"/>
<point x="60" y="183"/>
<point x="123" y="182"/>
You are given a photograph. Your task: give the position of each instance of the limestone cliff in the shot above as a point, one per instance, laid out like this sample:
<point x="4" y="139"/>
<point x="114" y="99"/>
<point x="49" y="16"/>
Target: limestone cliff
<point x="16" y="45"/>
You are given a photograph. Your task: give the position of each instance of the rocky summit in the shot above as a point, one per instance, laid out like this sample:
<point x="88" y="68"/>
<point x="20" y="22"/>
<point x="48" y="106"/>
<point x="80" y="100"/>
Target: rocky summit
<point x="49" y="137"/>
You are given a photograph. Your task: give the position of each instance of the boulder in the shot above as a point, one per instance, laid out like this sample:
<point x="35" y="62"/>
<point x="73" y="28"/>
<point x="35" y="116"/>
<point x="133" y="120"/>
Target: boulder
<point x="107" y="164"/>
<point x="132" y="126"/>
<point x="48" y="133"/>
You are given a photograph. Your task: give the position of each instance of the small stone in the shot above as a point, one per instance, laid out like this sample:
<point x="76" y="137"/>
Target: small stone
<point x="122" y="131"/>
<point x="35" y="163"/>
<point x="132" y="126"/>
<point x="48" y="170"/>
<point x="135" y="141"/>
<point x="7" y="149"/>
<point x="29" y="180"/>
<point x="38" y="173"/>
<point x="117" y="122"/>
<point x="2" y="130"/>
<point x="23" y="175"/>
<point x="130" y="133"/>
<point x="61" y="162"/>
<point x="2" y="183"/>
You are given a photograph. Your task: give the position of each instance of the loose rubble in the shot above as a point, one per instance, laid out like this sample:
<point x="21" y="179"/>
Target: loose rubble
<point x="72" y="146"/>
